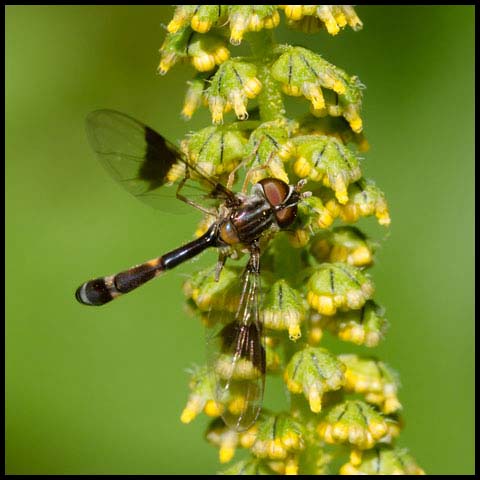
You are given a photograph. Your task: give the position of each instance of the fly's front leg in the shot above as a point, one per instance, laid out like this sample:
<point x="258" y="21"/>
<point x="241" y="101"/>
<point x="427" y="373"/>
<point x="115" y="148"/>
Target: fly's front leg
<point x="222" y="258"/>
<point x="256" y="170"/>
<point x="231" y="176"/>
<point x="187" y="200"/>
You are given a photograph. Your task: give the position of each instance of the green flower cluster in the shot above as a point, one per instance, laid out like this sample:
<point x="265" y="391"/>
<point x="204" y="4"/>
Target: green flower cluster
<point x="314" y="276"/>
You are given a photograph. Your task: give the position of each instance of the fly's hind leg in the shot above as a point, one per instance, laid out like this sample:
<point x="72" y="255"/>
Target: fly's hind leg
<point x="183" y="198"/>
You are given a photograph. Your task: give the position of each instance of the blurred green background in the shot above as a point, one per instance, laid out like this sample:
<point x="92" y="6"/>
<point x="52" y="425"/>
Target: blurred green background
<point x="101" y="390"/>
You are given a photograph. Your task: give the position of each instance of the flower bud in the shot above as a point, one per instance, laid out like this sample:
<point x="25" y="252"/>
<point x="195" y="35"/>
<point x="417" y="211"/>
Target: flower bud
<point x="374" y="379"/>
<point x="232" y="85"/>
<point x="353" y="422"/>
<point x="383" y="460"/>
<point x="277" y="436"/>
<point x="314" y="371"/>
<point x="325" y="159"/>
<point x="338" y="286"/>
<point x="284" y="309"/>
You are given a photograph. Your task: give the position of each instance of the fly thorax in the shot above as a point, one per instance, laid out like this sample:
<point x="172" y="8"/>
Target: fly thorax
<point x="252" y="217"/>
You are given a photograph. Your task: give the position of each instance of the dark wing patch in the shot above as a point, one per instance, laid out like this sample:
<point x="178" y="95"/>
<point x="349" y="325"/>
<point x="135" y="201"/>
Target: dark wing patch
<point x="140" y="159"/>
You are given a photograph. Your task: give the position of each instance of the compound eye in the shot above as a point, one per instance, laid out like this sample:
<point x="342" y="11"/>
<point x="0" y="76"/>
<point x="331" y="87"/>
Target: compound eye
<point x="286" y="216"/>
<point x="276" y="191"/>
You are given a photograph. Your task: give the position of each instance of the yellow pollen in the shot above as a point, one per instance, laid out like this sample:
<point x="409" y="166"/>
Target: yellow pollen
<point x="325" y="219"/>
<point x="294" y="12"/>
<point x="302" y="167"/>
<point x="391" y="405"/>
<point x="221" y="54"/>
<point x="291" y="467"/>
<point x="286" y="150"/>
<point x="356" y="124"/>
<point x="247" y="439"/>
<point x="292" y="90"/>
<point x="203" y="62"/>
<point x="315" y="335"/>
<point x="309" y="9"/>
<point x="273" y="21"/>
<point x="339" y="87"/>
<point x="315" y="400"/>
<point x="332" y="27"/>
<point x="290" y="440"/>
<point x="175" y="24"/>
<point x="340" y="431"/>
<point x="252" y="87"/>
<point x="315" y="95"/>
<point x="293" y="386"/>
<point x="165" y="64"/>
<point x="200" y="26"/>
<point x="320" y="113"/>
<point x="188" y="110"/>
<point x="341" y="194"/>
<point x="361" y="256"/>
<point x="238" y="102"/>
<point x="212" y="408"/>
<point x="356" y="457"/>
<point x="348" y="469"/>
<point x="340" y="19"/>
<point x="236" y="34"/>
<point x="294" y="332"/>
<point x="383" y="218"/>
<point x="377" y="429"/>
<point x="326" y="306"/>
<point x="255" y="24"/>
<point x="226" y="453"/>
<point x="188" y="414"/>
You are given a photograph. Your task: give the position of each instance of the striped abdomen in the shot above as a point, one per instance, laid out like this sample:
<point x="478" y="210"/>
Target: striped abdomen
<point x="104" y="289"/>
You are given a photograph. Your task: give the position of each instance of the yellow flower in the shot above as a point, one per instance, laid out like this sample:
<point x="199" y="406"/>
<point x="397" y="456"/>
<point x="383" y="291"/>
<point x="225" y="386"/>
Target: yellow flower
<point x="343" y="244"/>
<point x="366" y="326"/>
<point x="223" y="437"/>
<point x="334" y="17"/>
<point x="353" y="422"/>
<point x="324" y="158"/>
<point x="217" y="150"/>
<point x="374" y="379"/>
<point x="313" y="371"/>
<point x="383" y="460"/>
<point x="283" y="309"/>
<point x="364" y="199"/>
<point x="338" y="286"/>
<point x="277" y="437"/>
<point x="251" y="18"/>
<point x="231" y="87"/>
<point x="200" y="397"/>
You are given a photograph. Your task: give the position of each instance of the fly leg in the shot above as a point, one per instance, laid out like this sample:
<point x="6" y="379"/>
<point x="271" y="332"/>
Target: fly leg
<point x="256" y="170"/>
<point x="253" y="265"/>
<point x="187" y="200"/>
<point x="231" y="176"/>
<point x="222" y="258"/>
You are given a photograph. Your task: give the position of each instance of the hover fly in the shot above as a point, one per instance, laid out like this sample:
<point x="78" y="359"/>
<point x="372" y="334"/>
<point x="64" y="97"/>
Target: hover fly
<point x="140" y="160"/>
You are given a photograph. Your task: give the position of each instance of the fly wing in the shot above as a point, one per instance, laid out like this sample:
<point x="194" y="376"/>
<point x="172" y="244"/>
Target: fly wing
<point x="144" y="163"/>
<point x="238" y="360"/>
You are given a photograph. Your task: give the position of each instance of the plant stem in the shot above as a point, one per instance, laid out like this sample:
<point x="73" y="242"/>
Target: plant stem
<point x="270" y="99"/>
